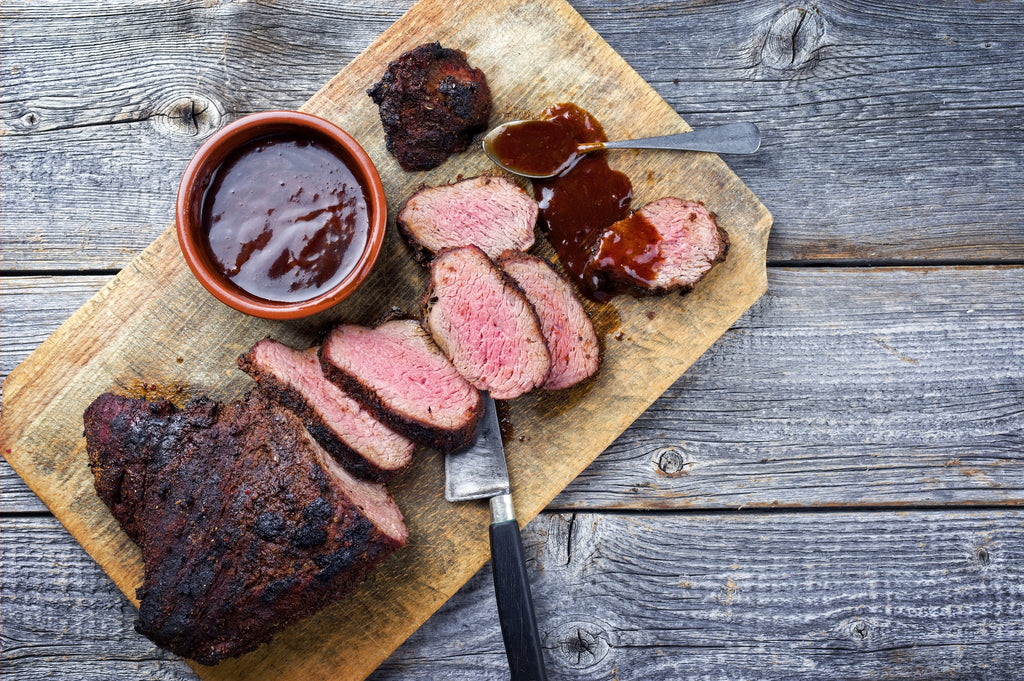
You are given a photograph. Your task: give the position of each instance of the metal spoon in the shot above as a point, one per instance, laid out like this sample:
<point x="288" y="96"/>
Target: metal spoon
<point x="731" y="138"/>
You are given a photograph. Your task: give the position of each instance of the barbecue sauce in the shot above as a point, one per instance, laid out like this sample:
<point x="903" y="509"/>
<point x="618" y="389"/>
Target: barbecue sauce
<point x="631" y="250"/>
<point x="284" y="217"/>
<point x="577" y="205"/>
<point x="536" y="148"/>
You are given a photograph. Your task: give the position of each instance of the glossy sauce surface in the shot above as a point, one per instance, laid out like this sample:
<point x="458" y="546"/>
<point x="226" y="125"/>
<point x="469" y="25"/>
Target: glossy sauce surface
<point x="535" y="147"/>
<point x="631" y="250"/>
<point x="578" y="204"/>
<point x="285" y="218"/>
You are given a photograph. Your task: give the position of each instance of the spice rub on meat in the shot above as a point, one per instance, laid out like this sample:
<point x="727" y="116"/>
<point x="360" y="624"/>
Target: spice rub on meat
<point x="245" y="523"/>
<point x="432" y="103"/>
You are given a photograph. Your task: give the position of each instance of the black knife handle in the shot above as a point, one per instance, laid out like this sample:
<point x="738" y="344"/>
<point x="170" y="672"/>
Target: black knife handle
<point x="515" y="604"/>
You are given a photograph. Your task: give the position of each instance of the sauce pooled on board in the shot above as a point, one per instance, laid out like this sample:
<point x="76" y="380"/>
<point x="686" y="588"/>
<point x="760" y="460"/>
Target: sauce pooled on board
<point x="586" y="197"/>
<point x="284" y="217"/>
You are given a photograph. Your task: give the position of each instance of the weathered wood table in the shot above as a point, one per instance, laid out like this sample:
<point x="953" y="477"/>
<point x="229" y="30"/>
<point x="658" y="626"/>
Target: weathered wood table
<point x="832" y="491"/>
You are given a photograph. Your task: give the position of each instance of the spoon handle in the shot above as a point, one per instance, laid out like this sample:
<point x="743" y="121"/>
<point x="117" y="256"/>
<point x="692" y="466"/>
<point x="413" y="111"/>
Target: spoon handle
<point x="731" y="138"/>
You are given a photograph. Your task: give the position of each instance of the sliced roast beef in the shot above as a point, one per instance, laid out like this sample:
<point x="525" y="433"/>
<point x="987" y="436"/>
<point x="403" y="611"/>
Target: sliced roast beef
<point x="569" y="333"/>
<point x="669" y="244"/>
<point x="484" y="323"/>
<point x="355" y="437"/>
<point x="399" y="374"/>
<point x="245" y="523"/>
<point x="486" y="211"/>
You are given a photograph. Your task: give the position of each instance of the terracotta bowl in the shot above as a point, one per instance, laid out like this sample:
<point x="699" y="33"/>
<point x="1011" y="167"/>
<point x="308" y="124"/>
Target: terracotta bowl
<point x="196" y="179"/>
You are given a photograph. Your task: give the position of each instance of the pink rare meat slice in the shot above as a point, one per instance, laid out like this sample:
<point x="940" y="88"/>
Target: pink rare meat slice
<point x="294" y="379"/>
<point x="397" y="372"/>
<point x="669" y="244"/>
<point x="487" y="211"/>
<point x="572" y="342"/>
<point x="485" y="324"/>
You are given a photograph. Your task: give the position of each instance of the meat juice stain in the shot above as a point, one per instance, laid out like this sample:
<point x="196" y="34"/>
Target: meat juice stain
<point x="173" y="392"/>
<point x="577" y="205"/>
<point x="285" y="218"/>
<point x="505" y="425"/>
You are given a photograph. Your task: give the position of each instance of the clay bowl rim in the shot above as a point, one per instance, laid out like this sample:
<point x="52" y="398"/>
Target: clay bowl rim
<point x="212" y="153"/>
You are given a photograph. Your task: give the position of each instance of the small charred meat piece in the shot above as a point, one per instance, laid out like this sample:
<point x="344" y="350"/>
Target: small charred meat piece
<point x="486" y="211"/>
<point x="432" y="103"/>
<point x="245" y="523"/>
<point x="669" y="244"/>
<point x="399" y="374"/>
<point x="485" y="324"/>
<point x="293" y="378"/>
<point x="569" y="333"/>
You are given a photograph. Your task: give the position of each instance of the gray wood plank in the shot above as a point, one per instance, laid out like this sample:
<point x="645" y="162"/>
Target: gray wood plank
<point x="848" y="387"/>
<point x="839" y="388"/>
<point x="770" y="595"/>
<point x="895" y="127"/>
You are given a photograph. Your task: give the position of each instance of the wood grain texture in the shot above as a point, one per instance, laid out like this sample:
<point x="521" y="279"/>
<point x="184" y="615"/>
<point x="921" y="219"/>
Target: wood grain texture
<point x="896" y="126"/>
<point x="154" y="323"/>
<point x="879" y="595"/>
<point x="835" y="389"/>
<point x="892" y="132"/>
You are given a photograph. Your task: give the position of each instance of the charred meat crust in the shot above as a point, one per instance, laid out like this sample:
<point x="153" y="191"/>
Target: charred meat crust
<point x="426" y="434"/>
<point x="242" y="530"/>
<point x="431" y="104"/>
<point x="290" y="398"/>
<point x="419" y="252"/>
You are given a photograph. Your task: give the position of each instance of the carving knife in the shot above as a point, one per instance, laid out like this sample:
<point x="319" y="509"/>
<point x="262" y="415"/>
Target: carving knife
<point x="479" y="472"/>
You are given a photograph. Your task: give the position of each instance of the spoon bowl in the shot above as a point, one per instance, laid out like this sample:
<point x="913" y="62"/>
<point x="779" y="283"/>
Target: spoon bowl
<point x="546" y="156"/>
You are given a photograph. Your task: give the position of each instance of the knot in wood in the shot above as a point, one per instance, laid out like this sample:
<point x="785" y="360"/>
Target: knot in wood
<point x="794" y="40"/>
<point x="672" y="461"/>
<point x="582" y="643"/>
<point x="29" y="120"/>
<point x="982" y="556"/>
<point x="859" y="630"/>
<point x="191" y="116"/>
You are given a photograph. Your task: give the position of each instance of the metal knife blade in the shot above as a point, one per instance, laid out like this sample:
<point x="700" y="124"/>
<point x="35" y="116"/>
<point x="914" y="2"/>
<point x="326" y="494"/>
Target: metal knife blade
<point x="479" y="470"/>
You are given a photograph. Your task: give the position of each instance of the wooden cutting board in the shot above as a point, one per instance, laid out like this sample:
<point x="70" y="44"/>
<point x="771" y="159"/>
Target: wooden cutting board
<point x="153" y="323"/>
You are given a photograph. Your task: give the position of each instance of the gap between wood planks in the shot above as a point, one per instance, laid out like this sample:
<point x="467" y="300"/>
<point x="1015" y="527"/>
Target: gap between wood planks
<point x="743" y="510"/>
<point x="882" y="263"/>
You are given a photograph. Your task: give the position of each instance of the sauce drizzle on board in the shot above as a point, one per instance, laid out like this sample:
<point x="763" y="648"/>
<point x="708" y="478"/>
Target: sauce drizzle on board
<point x="285" y="218"/>
<point x="578" y="204"/>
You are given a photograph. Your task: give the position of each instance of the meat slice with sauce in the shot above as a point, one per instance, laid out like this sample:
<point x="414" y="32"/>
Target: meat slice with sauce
<point x="487" y="211"/>
<point x="670" y="244"/>
<point x="568" y="331"/>
<point x="396" y="372"/>
<point x="294" y="379"/>
<point x="245" y="523"/>
<point x="485" y="323"/>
